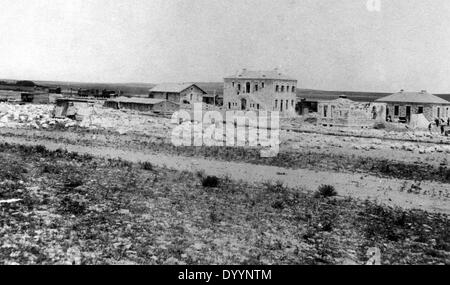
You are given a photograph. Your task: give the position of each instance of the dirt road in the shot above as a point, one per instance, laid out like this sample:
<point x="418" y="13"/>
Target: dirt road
<point x="392" y="192"/>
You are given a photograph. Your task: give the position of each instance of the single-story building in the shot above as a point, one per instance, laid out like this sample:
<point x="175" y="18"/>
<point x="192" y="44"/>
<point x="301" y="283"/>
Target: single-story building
<point x="210" y="99"/>
<point x="88" y="92"/>
<point x="306" y="106"/>
<point x="56" y="90"/>
<point x="74" y="108"/>
<point x="143" y="104"/>
<point x="35" y="97"/>
<point x="401" y="105"/>
<point x="345" y="112"/>
<point x="181" y="93"/>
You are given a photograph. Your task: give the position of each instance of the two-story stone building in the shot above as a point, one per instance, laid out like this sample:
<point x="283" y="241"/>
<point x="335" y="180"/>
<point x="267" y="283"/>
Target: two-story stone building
<point x="260" y="90"/>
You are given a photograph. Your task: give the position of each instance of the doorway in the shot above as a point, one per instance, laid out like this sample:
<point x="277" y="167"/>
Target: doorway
<point x="243" y="104"/>
<point x="408" y="113"/>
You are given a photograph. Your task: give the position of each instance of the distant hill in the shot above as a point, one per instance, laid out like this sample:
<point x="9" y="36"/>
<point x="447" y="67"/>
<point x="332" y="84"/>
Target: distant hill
<point x="311" y="94"/>
<point x="127" y="88"/>
<point x="138" y="88"/>
<point x="211" y="87"/>
<point x="444" y="96"/>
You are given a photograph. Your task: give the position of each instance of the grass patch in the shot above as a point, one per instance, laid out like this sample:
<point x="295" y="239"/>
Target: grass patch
<point x="146" y="166"/>
<point x="97" y="211"/>
<point x="210" y="181"/>
<point x="325" y="191"/>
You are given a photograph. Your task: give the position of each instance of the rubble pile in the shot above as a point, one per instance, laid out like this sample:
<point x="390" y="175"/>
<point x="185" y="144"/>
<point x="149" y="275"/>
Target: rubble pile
<point x="123" y="121"/>
<point x="394" y="132"/>
<point x="219" y="133"/>
<point x="92" y="117"/>
<point x="35" y="116"/>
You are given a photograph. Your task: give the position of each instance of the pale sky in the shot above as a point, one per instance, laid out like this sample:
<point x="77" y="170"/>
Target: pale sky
<point x="325" y="44"/>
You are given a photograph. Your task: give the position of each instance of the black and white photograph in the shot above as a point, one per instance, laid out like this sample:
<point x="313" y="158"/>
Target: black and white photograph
<point x="250" y="133"/>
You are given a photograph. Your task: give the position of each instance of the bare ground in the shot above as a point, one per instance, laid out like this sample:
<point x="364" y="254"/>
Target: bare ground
<point x="409" y="194"/>
<point x="76" y="209"/>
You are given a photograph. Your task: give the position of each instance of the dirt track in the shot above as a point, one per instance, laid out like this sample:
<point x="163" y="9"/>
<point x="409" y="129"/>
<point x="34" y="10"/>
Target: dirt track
<point x="388" y="191"/>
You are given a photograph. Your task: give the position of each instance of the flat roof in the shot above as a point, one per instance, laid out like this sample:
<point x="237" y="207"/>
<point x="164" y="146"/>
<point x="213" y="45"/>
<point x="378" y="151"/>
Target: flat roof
<point x="137" y="100"/>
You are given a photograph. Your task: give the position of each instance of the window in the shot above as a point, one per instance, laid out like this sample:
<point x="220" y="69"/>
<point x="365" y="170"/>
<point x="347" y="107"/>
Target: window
<point x="276" y="104"/>
<point x="293" y="89"/>
<point x="229" y="105"/>
<point x="256" y="87"/>
<point x="247" y="85"/>
<point x="325" y="111"/>
<point x="277" y="88"/>
<point x="292" y="103"/>
<point x="239" y="87"/>
<point x="257" y="106"/>
<point x="438" y="112"/>
<point x="287" y="104"/>
<point x="420" y="110"/>
<point x="282" y="88"/>
<point x="232" y="83"/>
<point x="396" y="110"/>
<point x="262" y="85"/>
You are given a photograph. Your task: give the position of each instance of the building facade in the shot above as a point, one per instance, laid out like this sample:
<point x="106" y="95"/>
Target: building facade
<point x="260" y="91"/>
<point x="184" y="93"/>
<point x="35" y="97"/>
<point x="401" y="105"/>
<point x="143" y="104"/>
<point x="345" y="112"/>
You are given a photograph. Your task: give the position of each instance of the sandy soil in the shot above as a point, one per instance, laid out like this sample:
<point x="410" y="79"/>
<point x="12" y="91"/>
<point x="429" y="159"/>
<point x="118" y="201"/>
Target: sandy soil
<point x="387" y="191"/>
<point x="310" y="142"/>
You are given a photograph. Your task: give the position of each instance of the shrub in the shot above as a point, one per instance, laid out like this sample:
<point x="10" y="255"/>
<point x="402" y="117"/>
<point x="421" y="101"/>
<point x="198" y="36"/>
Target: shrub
<point x="278" y="187"/>
<point x="72" y="179"/>
<point x="146" y="165"/>
<point x="311" y="120"/>
<point x="210" y="181"/>
<point x="73" y="204"/>
<point x="326" y="191"/>
<point x="12" y="170"/>
<point x="51" y="168"/>
<point x="279" y="205"/>
<point x="40" y="149"/>
<point x="119" y="163"/>
<point x="379" y="126"/>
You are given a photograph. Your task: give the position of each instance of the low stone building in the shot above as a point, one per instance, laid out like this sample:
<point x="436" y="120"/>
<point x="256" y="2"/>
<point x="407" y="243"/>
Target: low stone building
<point x="260" y="90"/>
<point x="74" y="108"/>
<point x="401" y="105"/>
<point x="181" y="93"/>
<point x="143" y="104"/>
<point x="35" y="97"/>
<point x="345" y="112"/>
<point x="307" y="106"/>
